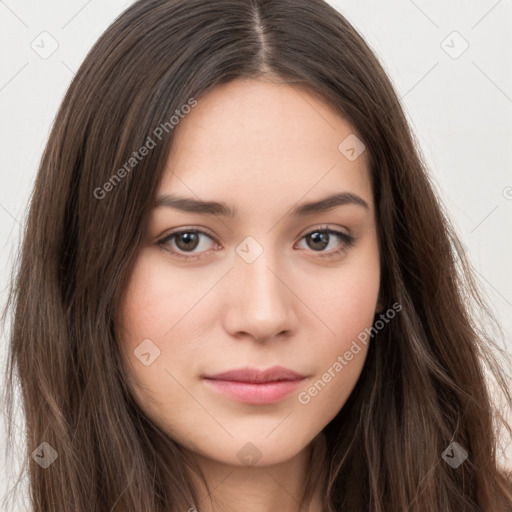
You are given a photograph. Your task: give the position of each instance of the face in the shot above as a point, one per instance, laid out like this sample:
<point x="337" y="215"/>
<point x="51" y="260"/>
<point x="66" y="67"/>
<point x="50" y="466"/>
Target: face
<point x="274" y="284"/>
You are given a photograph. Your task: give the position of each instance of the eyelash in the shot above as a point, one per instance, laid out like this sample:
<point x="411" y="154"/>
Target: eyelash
<point x="347" y="242"/>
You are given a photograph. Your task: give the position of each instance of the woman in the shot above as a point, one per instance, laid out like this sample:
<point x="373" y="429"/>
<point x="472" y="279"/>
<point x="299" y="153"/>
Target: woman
<point x="238" y="290"/>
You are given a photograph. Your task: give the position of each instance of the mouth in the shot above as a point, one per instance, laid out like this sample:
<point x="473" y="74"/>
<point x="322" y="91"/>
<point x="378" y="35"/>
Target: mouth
<point x="253" y="386"/>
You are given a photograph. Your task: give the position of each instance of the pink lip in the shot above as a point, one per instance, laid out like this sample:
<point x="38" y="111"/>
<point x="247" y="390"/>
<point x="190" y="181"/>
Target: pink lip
<point x="266" y="393"/>
<point x="253" y="386"/>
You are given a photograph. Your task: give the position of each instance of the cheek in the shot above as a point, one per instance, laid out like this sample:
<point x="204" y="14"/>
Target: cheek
<point x="159" y="299"/>
<point x="346" y="305"/>
<point x="154" y="308"/>
<point x="152" y="314"/>
<point x="339" y="358"/>
<point x="345" y="298"/>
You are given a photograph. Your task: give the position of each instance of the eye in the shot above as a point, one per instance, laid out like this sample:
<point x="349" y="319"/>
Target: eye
<point x="186" y="240"/>
<point x="322" y="237"/>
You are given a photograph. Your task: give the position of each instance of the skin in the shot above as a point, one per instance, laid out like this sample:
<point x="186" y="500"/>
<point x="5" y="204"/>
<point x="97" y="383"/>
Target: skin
<point x="261" y="147"/>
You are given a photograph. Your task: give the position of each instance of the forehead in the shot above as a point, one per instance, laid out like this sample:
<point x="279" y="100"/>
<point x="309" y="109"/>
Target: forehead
<point x="254" y="141"/>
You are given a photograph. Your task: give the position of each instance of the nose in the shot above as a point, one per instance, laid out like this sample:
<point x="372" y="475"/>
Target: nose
<point x="260" y="301"/>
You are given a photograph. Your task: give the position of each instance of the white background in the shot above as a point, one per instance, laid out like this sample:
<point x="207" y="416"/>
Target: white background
<point x="460" y="110"/>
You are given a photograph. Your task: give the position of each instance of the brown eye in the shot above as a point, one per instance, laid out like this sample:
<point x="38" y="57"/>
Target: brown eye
<point x="319" y="239"/>
<point x="186" y="241"/>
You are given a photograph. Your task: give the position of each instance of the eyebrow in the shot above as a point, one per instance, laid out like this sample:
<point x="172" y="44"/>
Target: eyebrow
<point x="191" y="205"/>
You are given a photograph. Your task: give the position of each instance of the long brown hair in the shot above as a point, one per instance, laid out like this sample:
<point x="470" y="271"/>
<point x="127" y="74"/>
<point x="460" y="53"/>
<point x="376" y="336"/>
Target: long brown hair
<point x="425" y="381"/>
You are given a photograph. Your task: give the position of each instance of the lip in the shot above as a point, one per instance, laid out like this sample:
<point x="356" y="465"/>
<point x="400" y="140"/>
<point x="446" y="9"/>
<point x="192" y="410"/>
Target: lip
<point x="256" y="376"/>
<point x="254" y="386"/>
